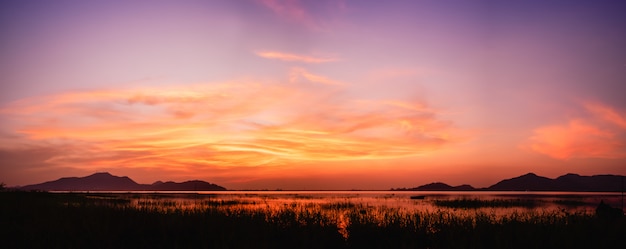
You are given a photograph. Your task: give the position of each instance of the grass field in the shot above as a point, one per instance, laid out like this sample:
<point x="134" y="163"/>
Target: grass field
<point x="54" y="220"/>
<point x="495" y="203"/>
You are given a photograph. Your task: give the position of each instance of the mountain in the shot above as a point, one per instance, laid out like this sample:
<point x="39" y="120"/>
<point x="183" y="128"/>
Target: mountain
<point x="108" y="182"/>
<point x="188" y="185"/>
<point x="464" y="187"/>
<point x="568" y="182"/>
<point x="97" y="181"/>
<point x="533" y="182"/>
<point x="530" y="182"/>
<point x="597" y="183"/>
<point x="439" y="186"/>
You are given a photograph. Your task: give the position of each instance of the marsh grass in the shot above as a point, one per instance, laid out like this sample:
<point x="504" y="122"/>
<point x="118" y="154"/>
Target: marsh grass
<point x="339" y="205"/>
<point x="571" y="203"/>
<point x="47" y="220"/>
<point x="493" y="203"/>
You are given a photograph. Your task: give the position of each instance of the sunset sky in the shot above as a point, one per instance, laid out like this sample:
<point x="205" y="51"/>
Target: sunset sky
<point x="297" y="94"/>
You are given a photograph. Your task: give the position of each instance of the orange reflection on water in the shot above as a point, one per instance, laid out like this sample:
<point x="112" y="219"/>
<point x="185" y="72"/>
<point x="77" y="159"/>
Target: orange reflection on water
<point x="341" y="208"/>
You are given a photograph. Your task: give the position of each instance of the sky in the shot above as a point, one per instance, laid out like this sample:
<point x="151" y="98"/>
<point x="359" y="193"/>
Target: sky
<point x="297" y="94"/>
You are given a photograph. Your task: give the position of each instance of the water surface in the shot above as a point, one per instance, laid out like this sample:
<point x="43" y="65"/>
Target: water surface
<point x="493" y="201"/>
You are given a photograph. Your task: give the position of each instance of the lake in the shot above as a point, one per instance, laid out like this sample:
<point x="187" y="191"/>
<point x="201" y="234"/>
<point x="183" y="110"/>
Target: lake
<point x="310" y="219"/>
<point x="501" y="202"/>
<point x="378" y="207"/>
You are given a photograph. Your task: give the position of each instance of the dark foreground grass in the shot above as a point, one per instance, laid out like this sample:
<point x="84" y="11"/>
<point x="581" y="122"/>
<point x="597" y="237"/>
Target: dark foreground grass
<point x="46" y="220"/>
<point x="493" y="203"/>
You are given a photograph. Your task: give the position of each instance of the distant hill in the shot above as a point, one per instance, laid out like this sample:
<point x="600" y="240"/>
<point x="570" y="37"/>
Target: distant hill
<point x="108" y="182"/>
<point x="528" y="181"/>
<point x="188" y="185"/>
<point x="568" y="182"/>
<point x="439" y="186"/>
<point x="533" y="182"/>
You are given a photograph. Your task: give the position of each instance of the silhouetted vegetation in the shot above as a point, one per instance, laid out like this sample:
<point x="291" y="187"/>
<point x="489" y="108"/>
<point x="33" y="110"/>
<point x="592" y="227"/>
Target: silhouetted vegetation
<point x="494" y="203"/>
<point x="571" y="203"/>
<point x="54" y="220"/>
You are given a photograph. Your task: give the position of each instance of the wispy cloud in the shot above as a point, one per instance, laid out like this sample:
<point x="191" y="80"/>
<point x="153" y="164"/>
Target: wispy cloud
<point x="229" y="125"/>
<point x="291" y="10"/>
<point x="293" y="57"/>
<point x="608" y="114"/>
<point x="296" y="73"/>
<point x="602" y="134"/>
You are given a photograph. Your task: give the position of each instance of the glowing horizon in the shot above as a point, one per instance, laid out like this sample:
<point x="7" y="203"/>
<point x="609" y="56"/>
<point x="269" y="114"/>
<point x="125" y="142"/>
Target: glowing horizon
<point x="312" y="94"/>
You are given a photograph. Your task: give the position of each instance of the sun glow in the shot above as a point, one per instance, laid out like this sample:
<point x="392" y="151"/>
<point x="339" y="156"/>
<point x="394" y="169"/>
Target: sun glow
<point x="227" y="125"/>
<point x="326" y="94"/>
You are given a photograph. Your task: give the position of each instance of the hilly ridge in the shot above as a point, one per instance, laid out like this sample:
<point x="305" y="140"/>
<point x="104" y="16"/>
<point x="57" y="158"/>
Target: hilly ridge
<point x="528" y="182"/>
<point x="532" y="182"/>
<point x="440" y="186"/>
<point x="107" y="182"/>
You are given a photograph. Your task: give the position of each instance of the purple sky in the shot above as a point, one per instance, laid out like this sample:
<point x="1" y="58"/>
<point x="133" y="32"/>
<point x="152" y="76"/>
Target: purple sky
<point x="312" y="94"/>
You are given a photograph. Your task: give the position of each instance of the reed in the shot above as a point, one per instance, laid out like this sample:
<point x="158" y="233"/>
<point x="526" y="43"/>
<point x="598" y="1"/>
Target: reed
<point x="494" y="203"/>
<point x="46" y="220"/>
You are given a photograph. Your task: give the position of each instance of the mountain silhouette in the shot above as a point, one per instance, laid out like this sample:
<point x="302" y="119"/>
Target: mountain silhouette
<point x="188" y="185"/>
<point x="107" y="182"/>
<point x="440" y="186"/>
<point x="568" y="182"/>
<point x="532" y="182"/>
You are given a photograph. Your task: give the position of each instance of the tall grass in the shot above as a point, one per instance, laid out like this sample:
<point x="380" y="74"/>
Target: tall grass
<point x="46" y="220"/>
<point x="493" y="203"/>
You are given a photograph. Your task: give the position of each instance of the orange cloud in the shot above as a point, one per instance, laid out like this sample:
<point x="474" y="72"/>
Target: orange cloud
<point x="297" y="73"/>
<point x="293" y="57"/>
<point x="607" y="113"/>
<point x="222" y="126"/>
<point x="601" y="135"/>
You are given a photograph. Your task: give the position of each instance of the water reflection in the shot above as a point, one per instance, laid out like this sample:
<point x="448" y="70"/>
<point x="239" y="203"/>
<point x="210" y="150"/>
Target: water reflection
<point x="333" y="200"/>
<point x="341" y="208"/>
